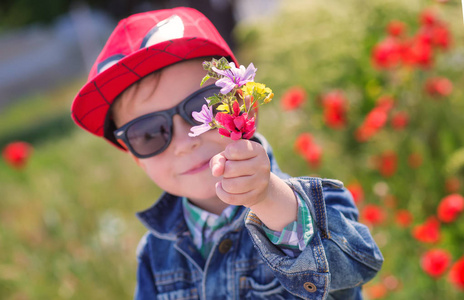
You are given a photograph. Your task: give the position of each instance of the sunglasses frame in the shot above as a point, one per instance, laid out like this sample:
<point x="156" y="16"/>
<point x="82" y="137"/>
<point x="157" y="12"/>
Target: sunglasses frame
<point x="121" y="133"/>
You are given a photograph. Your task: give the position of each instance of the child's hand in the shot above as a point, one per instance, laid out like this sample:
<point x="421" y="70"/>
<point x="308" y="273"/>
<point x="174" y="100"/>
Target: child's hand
<point x="245" y="170"/>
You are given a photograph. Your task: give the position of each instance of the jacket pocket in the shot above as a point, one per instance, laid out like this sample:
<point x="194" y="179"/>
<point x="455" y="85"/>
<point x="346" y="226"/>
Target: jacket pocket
<point x="176" y="285"/>
<point x="184" y="294"/>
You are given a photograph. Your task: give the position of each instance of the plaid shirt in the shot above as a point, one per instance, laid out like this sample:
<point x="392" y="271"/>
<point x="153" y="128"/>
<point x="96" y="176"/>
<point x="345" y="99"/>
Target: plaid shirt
<point x="206" y="228"/>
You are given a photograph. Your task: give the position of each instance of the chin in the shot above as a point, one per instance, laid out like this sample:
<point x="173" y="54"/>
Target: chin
<point x="203" y="195"/>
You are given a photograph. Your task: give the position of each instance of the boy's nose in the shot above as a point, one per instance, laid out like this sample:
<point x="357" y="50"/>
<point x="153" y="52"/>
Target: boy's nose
<point x="181" y="142"/>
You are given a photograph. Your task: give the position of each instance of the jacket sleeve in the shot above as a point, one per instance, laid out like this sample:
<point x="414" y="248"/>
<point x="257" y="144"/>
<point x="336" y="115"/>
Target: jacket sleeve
<point x="341" y="255"/>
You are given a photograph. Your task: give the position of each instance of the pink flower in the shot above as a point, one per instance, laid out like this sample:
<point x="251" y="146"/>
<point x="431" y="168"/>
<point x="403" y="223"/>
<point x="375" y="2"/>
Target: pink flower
<point x="205" y="116"/>
<point x="234" y="77"/>
<point x="236" y="126"/>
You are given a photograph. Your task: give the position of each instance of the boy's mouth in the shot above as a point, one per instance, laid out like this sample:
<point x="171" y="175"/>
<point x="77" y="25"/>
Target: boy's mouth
<point x="197" y="168"/>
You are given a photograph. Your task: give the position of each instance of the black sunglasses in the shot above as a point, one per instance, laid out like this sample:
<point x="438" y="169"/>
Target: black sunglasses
<point x="151" y="134"/>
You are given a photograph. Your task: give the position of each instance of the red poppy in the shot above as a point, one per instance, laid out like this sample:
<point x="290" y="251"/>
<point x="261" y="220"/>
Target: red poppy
<point x="334" y="109"/>
<point x="385" y="103"/>
<point x="438" y="87"/>
<point x="415" y="160"/>
<point x="376" y="118"/>
<point x="364" y="133"/>
<point x="293" y="98"/>
<point x="374" y="121"/>
<point x="313" y="155"/>
<point x="400" y="120"/>
<point x="452" y="185"/>
<point x="387" y="53"/>
<point x="428" y="232"/>
<point x="16" y="154"/>
<point x="435" y="262"/>
<point x="387" y="163"/>
<point x="303" y="142"/>
<point x="441" y="36"/>
<point x="357" y="192"/>
<point x="428" y="17"/>
<point x="376" y="290"/>
<point x="450" y="207"/>
<point x="418" y="51"/>
<point x="403" y="218"/>
<point x="396" y="28"/>
<point x="373" y="214"/>
<point x="456" y="275"/>
<point x="310" y="151"/>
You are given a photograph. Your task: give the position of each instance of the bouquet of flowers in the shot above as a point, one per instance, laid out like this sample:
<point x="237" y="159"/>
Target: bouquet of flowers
<point x="230" y="110"/>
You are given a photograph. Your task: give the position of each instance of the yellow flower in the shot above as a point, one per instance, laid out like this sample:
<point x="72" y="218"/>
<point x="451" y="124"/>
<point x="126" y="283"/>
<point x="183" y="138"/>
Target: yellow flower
<point x="255" y="89"/>
<point x="269" y="98"/>
<point x="223" y="107"/>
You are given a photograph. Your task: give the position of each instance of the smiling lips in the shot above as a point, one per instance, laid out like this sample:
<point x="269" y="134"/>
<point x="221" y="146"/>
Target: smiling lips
<point x="197" y="168"/>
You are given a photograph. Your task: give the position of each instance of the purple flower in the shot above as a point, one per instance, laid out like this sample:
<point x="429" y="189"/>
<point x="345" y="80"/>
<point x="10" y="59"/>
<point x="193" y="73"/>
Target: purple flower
<point x="235" y="76"/>
<point x="204" y="116"/>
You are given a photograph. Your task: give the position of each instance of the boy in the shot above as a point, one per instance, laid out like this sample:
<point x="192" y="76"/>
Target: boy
<point x="230" y="224"/>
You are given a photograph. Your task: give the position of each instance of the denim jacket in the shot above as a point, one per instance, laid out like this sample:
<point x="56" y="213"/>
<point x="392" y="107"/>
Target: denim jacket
<point x="244" y="264"/>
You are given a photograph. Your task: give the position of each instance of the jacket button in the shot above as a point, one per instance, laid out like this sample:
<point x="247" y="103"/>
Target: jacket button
<point x="310" y="287"/>
<point x="225" y="246"/>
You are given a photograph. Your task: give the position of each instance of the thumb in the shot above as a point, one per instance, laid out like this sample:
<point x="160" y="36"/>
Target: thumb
<point x="217" y="164"/>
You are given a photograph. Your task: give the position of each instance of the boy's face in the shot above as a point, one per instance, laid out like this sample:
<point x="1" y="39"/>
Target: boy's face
<point x="183" y="168"/>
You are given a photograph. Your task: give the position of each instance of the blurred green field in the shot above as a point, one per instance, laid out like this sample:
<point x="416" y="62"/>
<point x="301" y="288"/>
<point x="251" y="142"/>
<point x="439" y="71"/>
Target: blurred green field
<point x="67" y="224"/>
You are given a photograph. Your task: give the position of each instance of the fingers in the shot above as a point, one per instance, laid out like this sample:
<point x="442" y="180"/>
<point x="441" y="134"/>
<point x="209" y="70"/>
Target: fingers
<point x="217" y="164"/>
<point x="242" y="149"/>
<point x="245" y="170"/>
<point x="245" y="198"/>
<point x="238" y="168"/>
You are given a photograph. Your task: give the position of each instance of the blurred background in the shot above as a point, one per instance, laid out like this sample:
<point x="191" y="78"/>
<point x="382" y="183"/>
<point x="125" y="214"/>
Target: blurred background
<point x="368" y="93"/>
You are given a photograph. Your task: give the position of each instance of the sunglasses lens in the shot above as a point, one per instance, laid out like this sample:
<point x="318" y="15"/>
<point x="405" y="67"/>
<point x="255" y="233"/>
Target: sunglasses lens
<point x="196" y="103"/>
<point x="149" y="135"/>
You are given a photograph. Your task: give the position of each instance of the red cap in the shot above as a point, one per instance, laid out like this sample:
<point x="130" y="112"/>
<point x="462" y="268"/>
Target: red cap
<point x="138" y="46"/>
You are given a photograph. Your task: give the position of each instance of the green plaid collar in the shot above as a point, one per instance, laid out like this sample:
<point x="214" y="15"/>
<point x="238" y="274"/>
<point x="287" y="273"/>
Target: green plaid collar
<point x="206" y="227"/>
